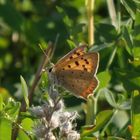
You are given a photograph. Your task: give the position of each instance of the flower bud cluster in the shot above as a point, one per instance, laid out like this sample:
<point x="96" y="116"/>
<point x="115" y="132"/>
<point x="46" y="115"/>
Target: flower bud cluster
<point x="53" y="122"/>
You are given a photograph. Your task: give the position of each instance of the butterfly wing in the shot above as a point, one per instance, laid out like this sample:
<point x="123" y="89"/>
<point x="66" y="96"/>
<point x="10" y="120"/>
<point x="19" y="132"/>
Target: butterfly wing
<point x="78" y="75"/>
<point x="80" y="85"/>
<point x="71" y="55"/>
<point x="87" y="62"/>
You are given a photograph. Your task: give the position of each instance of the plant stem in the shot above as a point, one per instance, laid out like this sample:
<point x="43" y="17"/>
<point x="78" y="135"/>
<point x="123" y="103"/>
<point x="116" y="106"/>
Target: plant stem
<point x="31" y="91"/>
<point x="119" y="15"/>
<point x="90" y="102"/>
<point x="92" y="109"/>
<point x="90" y="8"/>
<point x="95" y="108"/>
<point x="44" y="61"/>
<point x="112" y="12"/>
<point x="117" y="138"/>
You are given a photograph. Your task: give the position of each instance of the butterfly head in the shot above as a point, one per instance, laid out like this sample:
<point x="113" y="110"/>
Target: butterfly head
<point x="51" y="73"/>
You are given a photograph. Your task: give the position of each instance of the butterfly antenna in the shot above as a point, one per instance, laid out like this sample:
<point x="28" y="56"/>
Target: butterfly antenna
<point x="47" y="52"/>
<point x="50" y="50"/>
<point x="55" y="44"/>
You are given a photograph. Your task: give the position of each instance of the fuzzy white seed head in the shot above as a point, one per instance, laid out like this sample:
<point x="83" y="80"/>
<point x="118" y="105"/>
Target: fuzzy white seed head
<point x="59" y="106"/>
<point x="50" y="136"/>
<point x="37" y="111"/>
<point x="40" y="131"/>
<point x="64" y="116"/>
<point x="68" y="116"/>
<point x="65" y="128"/>
<point x="54" y="94"/>
<point x="73" y="135"/>
<point x="54" y="120"/>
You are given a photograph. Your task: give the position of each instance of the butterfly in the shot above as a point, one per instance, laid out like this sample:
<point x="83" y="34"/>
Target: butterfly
<point x="76" y="72"/>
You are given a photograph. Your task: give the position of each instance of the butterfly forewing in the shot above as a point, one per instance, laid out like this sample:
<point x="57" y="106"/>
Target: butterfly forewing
<point x="87" y="62"/>
<point x="71" y="55"/>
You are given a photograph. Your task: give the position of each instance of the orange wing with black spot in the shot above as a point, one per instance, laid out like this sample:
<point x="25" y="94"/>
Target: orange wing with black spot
<point x="71" y="55"/>
<point x="87" y="62"/>
<point x="79" y="74"/>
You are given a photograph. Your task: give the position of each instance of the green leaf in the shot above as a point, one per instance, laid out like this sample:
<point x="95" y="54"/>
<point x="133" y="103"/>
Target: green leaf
<point x="59" y="9"/>
<point x="99" y="47"/>
<point x="126" y="105"/>
<point x="135" y="80"/>
<point x="12" y="108"/>
<point x="43" y="45"/>
<point x="128" y="40"/>
<point x="71" y="44"/>
<point x="137" y="21"/>
<point x="101" y="119"/>
<point x="107" y="33"/>
<point x="136" y="31"/>
<point x="136" y="114"/>
<point x="24" y="91"/>
<point x="44" y="81"/>
<point x="114" y="138"/>
<point x="1" y="103"/>
<point x="5" y="129"/>
<point x="110" y="97"/>
<point x="130" y="7"/>
<point x="27" y="125"/>
<point x="104" y="78"/>
<point x="137" y="1"/>
<point x="66" y="19"/>
<point x="136" y="51"/>
<point x="89" y="138"/>
<point x="136" y="61"/>
<point x="129" y="78"/>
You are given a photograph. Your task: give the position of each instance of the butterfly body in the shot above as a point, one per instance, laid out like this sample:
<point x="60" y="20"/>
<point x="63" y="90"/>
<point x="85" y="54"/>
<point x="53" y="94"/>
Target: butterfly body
<point x="76" y="72"/>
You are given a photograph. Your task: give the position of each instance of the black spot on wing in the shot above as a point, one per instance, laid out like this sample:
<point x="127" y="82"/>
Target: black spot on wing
<point x="78" y="53"/>
<point x="85" y="69"/>
<point x="87" y="62"/>
<point x="77" y="63"/>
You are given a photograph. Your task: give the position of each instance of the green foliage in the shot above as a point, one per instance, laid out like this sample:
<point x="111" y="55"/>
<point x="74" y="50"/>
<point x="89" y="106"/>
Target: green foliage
<point x="104" y="79"/>
<point x="8" y="115"/>
<point x="6" y="129"/>
<point x="102" y="118"/>
<point x="24" y="91"/>
<point x="135" y="115"/>
<point x="113" y="112"/>
<point x="27" y="125"/>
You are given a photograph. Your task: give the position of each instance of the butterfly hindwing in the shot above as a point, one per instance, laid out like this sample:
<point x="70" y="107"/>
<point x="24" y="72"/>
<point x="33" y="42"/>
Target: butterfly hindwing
<point x="80" y="87"/>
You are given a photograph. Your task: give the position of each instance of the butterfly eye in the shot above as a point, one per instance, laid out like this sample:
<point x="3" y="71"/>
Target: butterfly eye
<point x="50" y="69"/>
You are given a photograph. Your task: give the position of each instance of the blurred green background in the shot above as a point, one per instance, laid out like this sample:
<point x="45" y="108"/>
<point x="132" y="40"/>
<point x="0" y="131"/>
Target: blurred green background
<point x="26" y="23"/>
